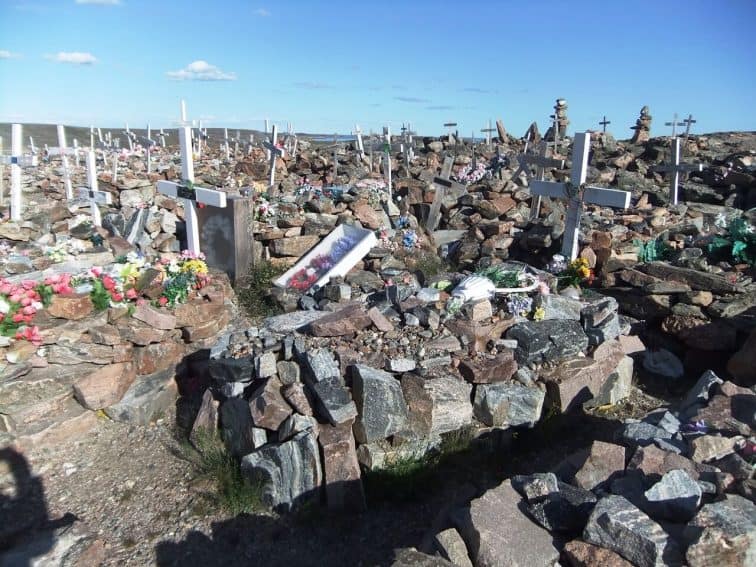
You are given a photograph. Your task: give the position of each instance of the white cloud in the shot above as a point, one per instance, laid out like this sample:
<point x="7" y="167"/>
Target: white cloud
<point x="73" y="57"/>
<point x="200" y="71"/>
<point x="100" y="2"/>
<point x="262" y="12"/>
<point x="5" y="54"/>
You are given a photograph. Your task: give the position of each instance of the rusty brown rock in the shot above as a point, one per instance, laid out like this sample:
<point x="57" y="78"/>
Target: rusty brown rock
<point x="155" y="318"/>
<point x="339" y="323"/>
<point x="582" y="554"/>
<point x="342" y="470"/>
<point x="105" y="386"/>
<point x="72" y="307"/>
<point x="486" y="371"/>
<point x="159" y="356"/>
<point x="267" y="406"/>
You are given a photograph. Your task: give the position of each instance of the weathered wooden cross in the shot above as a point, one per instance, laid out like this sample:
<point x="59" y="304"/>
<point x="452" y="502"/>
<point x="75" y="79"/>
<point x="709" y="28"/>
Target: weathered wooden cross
<point x="92" y="194"/>
<point x="273" y="151"/>
<point x="674" y="124"/>
<point x="577" y="194"/>
<point x="64" y="151"/>
<point x="541" y="163"/>
<point x="162" y="136"/>
<point x="604" y="123"/>
<point x="675" y="168"/>
<point x="130" y="137"/>
<point x="688" y="122"/>
<point x="226" y="145"/>
<point x="387" y="150"/>
<point x="16" y="160"/>
<point x="487" y="132"/>
<point x="189" y="194"/>
<point x="147" y="142"/>
<point x="442" y="183"/>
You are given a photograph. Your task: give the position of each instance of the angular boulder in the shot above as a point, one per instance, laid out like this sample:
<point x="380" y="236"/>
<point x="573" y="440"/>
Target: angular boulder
<point x="508" y="404"/>
<point x="381" y="408"/>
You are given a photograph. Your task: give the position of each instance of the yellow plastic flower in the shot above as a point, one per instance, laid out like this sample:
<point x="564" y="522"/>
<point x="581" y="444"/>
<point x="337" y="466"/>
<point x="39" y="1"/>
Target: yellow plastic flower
<point x="539" y="314"/>
<point x="584" y="271"/>
<point x="194" y="266"/>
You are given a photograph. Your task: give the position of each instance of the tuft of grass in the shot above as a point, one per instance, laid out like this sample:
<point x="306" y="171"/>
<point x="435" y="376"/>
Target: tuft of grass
<point x="233" y="493"/>
<point x="427" y="262"/>
<point x="406" y="479"/>
<point x="254" y="294"/>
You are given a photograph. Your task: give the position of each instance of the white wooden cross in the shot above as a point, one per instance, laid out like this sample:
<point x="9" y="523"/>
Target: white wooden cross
<point x="335" y="158"/>
<point x="162" y="136"/>
<point x="442" y="183"/>
<point x="129" y="137"/>
<point x="76" y="152"/>
<point x="251" y="144"/>
<point x="578" y="194"/>
<point x="273" y="151"/>
<point x="387" y="149"/>
<point x="226" y="145"/>
<point x="360" y="147"/>
<point x="190" y="194"/>
<point x="33" y="148"/>
<point x="674" y="124"/>
<point x="147" y="142"/>
<point x="236" y="143"/>
<point x="16" y="160"/>
<point x="64" y="151"/>
<point x="487" y="132"/>
<point x="675" y="168"/>
<point x="92" y="193"/>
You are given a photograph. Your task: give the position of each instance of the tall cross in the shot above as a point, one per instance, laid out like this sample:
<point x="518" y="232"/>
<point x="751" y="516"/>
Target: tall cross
<point x="236" y="143"/>
<point x="450" y="126"/>
<point x="675" y="168"/>
<point x="555" y="128"/>
<point x="487" y="132"/>
<point x="189" y="194"/>
<point x="162" y="136"/>
<point x="274" y="151"/>
<point x="442" y="183"/>
<point x="542" y="163"/>
<point x="147" y="142"/>
<point x="577" y="193"/>
<point x="129" y="137"/>
<point x="91" y="193"/>
<point x="64" y="151"/>
<point x="76" y="152"/>
<point x="32" y="147"/>
<point x="604" y="123"/>
<point x="674" y="124"/>
<point x="16" y="160"/>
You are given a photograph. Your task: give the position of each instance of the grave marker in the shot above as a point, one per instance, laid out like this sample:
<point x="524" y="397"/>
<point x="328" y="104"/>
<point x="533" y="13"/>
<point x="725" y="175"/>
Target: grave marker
<point x="16" y="160"/>
<point x="273" y="151"/>
<point x="541" y="162"/>
<point x="92" y="194"/>
<point x="226" y="145"/>
<point x="451" y="125"/>
<point x="688" y="122"/>
<point x="189" y="194"/>
<point x="487" y="132"/>
<point x="387" y="149"/>
<point x="147" y="142"/>
<point x="578" y="194"/>
<point x="604" y="123"/>
<point x="674" y="124"/>
<point x="129" y="137"/>
<point x="64" y="151"/>
<point x="675" y="168"/>
<point x="443" y="183"/>
<point x="360" y="147"/>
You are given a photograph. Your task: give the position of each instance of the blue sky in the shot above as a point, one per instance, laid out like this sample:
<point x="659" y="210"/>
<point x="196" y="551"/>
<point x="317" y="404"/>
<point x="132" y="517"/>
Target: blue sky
<point x="326" y="65"/>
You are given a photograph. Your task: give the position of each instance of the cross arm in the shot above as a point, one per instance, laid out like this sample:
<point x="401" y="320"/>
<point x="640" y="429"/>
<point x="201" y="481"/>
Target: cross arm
<point x="21" y="161"/>
<point x="201" y="195"/>
<point x="99" y="197"/>
<point x="614" y="198"/>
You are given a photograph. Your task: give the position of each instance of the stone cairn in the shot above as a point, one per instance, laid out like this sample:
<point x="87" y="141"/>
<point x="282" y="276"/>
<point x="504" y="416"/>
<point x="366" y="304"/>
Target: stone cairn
<point x="642" y="127"/>
<point x="560" y="114"/>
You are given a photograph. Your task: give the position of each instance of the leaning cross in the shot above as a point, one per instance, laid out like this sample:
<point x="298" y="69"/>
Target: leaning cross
<point x="147" y="142"/>
<point x="578" y="194"/>
<point x="442" y="183"/>
<point x="91" y="193"/>
<point x="190" y="194"/>
<point x="64" y="151"/>
<point x="674" y="124"/>
<point x="604" y="123"/>
<point x="16" y="160"/>
<point x="675" y="168"/>
<point x="129" y="137"/>
<point x="387" y="149"/>
<point x="688" y="122"/>
<point x="274" y="151"/>
<point x="542" y="163"/>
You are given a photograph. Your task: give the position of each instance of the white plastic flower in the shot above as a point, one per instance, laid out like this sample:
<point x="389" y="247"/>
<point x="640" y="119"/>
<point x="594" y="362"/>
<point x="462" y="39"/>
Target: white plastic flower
<point x="721" y="220"/>
<point x="4" y="306"/>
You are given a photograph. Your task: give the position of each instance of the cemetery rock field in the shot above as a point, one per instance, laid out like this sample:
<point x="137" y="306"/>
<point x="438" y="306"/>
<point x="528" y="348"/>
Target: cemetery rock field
<point x="221" y="347"/>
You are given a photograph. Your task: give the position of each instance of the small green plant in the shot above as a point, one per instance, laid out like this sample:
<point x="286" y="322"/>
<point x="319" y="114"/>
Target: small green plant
<point x="234" y="493"/>
<point x="254" y="294"/>
<point x="430" y="264"/>
<point x="501" y="277"/>
<point x="740" y="246"/>
<point x="652" y="250"/>
<point x="100" y="296"/>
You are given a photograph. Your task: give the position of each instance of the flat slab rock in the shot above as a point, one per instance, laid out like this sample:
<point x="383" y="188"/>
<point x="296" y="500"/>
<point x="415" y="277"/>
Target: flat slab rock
<point x="499" y="534"/>
<point x="723" y="534"/>
<point x="541" y="341"/>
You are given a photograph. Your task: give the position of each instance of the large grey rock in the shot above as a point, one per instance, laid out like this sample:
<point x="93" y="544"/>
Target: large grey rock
<point x="451" y="546"/>
<point x="334" y="400"/>
<point x="559" y="307"/>
<point x="289" y="322"/>
<point x="618" y="525"/>
<point x="437" y="405"/>
<point x="535" y="486"/>
<point x="600" y="320"/>
<point x="617" y="386"/>
<point x="723" y="534"/>
<point x="237" y="426"/>
<point x="565" y="510"/>
<point x="498" y="534"/>
<point x="675" y="497"/>
<point x="699" y="393"/>
<point x="508" y="404"/>
<point x="381" y="408"/>
<point x="642" y="433"/>
<point x="322" y="365"/>
<point x="541" y="341"/>
<point x="289" y="473"/>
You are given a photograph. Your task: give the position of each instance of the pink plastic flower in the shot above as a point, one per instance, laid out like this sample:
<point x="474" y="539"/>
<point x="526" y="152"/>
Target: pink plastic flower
<point x="131" y="293"/>
<point x="163" y="300"/>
